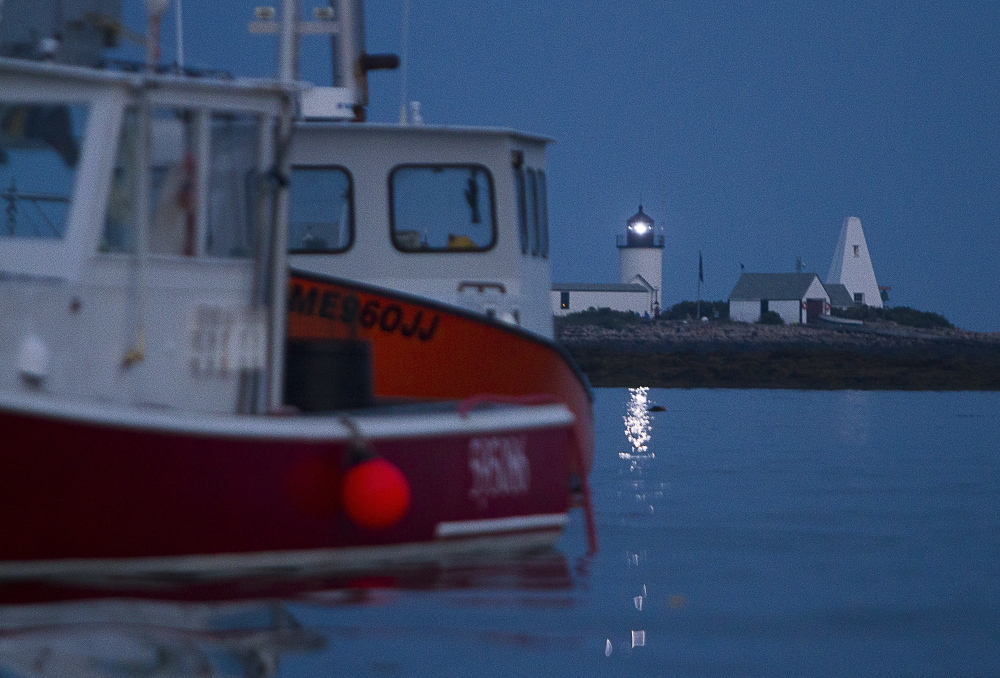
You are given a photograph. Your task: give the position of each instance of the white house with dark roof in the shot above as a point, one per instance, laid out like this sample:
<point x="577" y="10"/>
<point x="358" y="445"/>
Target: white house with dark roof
<point x="796" y="297"/>
<point x="574" y="297"/>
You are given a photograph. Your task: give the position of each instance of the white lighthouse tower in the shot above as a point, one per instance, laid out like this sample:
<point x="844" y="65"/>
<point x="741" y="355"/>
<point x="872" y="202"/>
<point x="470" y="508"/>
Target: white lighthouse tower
<point x="852" y="265"/>
<point x="640" y="255"/>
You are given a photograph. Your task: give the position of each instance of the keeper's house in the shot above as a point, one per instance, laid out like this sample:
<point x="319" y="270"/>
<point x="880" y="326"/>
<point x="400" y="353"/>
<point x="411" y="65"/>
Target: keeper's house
<point x="796" y="297"/>
<point x="637" y="297"/>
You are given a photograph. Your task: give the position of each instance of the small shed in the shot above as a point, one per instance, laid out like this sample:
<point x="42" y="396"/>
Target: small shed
<point x="839" y="296"/>
<point x="796" y="297"/>
<point x="573" y="297"/>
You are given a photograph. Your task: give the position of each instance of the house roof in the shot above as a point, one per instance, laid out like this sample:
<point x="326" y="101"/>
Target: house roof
<point x="776" y="286"/>
<point x="839" y="296"/>
<point x="597" y="287"/>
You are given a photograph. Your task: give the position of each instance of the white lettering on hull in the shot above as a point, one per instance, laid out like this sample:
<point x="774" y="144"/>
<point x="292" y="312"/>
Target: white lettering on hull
<point x="499" y="467"/>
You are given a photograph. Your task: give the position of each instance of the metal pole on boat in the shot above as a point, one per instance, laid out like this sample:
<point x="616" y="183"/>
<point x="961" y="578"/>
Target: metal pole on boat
<point x="154" y="11"/>
<point x="287" y="73"/>
<point x="137" y="354"/>
<point x="179" y="34"/>
<point x="288" y="42"/>
<point x="405" y="54"/>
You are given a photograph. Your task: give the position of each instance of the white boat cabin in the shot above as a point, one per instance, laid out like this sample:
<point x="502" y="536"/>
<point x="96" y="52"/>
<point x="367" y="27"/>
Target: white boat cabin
<point x="127" y="269"/>
<point x="452" y="214"/>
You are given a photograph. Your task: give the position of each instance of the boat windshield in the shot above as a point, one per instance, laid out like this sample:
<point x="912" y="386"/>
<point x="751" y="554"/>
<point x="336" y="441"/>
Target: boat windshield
<point x="40" y="147"/>
<point x="321" y="210"/>
<point x="442" y="208"/>
<point x="201" y="203"/>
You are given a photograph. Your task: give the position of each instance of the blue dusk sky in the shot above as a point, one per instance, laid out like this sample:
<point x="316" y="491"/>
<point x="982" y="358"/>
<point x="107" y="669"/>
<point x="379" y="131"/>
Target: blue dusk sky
<point x="749" y="130"/>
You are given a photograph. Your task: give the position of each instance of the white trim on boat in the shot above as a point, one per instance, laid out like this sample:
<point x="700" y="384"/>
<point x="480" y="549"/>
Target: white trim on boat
<point x="275" y="563"/>
<point x="387" y="425"/>
<point x="468" y="528"/>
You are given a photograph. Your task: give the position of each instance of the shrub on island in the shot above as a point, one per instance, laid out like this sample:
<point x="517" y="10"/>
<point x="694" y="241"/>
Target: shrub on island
<point x="770" y="318"/>
<point x="901" y="315"/>
<point x="606" y="318"/>
<point x="688" y="310"/>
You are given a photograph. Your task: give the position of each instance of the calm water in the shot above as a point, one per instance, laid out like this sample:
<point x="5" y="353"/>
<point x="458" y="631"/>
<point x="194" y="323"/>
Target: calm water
<point x="760" y="533"/>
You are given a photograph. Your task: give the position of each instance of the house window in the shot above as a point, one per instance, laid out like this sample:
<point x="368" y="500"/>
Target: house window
<point x="857" y="250"/>
<point x="564" y="300"/>
<point x="859" y="298"/>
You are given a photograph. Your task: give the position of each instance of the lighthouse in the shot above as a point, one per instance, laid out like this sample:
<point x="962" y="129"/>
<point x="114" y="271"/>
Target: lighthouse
<point x="852" y="265"/>
<point x="640" y="255"/>
<point x="640" y="270"/>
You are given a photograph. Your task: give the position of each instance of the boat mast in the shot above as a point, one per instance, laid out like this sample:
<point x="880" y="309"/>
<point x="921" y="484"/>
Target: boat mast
<point x="287" y="73"/>
<point x="179" y="33"/>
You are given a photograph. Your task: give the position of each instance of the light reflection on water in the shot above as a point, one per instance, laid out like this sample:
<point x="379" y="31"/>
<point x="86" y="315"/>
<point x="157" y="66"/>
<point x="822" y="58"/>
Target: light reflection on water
<point x="743" y="533"/>
<point x="639" y="459"/>
<point x="637" y="424"/>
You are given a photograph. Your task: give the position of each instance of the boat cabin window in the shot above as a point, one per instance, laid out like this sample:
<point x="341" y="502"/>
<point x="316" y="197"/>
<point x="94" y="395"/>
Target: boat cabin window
<point x="533" y="220"/>
<point x="543" y="216"/>
<point x="442" y="208"/>
<point x="232" y="186"/>
<point x="40" y="148"/>
<point x="180" y="223"/>
<point x="321" y="216"/>
<point x="531" y="210"/>
<point x="119" y="233"/>
<point x="522" y="208"/>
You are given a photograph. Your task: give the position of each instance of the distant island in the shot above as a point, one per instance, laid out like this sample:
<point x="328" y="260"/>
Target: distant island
<point x="875" y="349"/>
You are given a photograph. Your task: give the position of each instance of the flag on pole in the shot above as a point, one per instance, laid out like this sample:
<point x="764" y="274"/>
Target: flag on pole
<point x="701" y="270"/>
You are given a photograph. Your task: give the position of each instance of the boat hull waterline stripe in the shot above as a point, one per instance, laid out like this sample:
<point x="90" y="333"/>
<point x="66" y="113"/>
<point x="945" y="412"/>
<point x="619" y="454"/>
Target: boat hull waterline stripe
<point x="289" y="563"/>
<point x="466" y="528"/>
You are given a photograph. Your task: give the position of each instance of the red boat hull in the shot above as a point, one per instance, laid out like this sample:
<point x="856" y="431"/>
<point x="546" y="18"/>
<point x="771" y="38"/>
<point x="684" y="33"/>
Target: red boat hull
<point x="70" y="489"/>
<point x="424" y="349"/>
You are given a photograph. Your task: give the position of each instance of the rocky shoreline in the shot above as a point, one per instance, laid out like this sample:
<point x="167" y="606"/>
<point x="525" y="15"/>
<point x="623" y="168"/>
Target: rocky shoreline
<point x="678" y="354"/>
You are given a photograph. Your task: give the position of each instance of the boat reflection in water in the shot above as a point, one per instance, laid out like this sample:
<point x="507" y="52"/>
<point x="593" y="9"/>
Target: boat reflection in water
<point x="232" y="628"/>
<point x="149" y="638"/>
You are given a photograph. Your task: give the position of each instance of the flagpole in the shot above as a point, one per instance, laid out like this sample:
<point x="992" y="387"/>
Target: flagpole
<point x="701" y="277"/>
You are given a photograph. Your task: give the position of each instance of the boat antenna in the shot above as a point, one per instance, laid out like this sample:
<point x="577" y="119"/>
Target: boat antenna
<point x="404" y="50"/>
<point x="179" y="33"/>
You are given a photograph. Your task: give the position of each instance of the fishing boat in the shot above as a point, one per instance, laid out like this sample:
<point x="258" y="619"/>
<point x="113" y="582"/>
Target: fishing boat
<point x="163" y="411"/>
<point x="430" y="242"/>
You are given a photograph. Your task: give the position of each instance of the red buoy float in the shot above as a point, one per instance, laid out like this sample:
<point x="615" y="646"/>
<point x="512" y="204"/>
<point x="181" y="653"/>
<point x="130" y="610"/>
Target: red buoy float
<point x="375" y="494"/>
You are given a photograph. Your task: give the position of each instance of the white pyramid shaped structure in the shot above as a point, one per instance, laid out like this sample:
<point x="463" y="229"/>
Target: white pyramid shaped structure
<point x="852" y="265"/>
